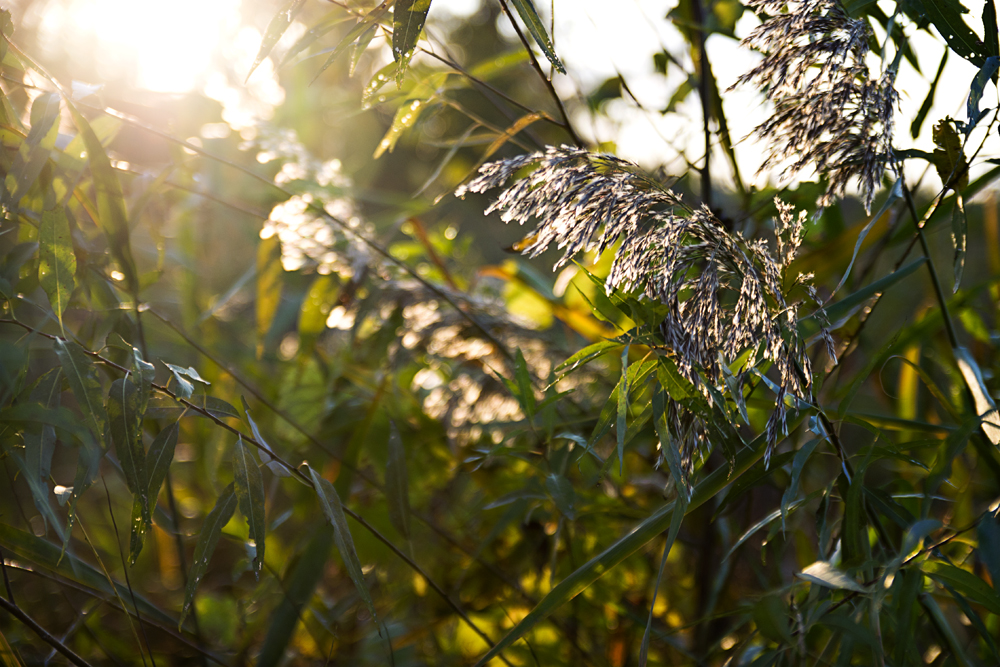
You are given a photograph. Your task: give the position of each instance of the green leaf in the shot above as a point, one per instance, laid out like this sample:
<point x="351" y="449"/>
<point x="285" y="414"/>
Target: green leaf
<point x="408" y="20"/>
<point x="992" y="39"/>
<point x="637" y="373"/>
<point x="525" y="392"/>
<point x="680" y="509"/>
<point x="946" y="15"/>
<point x="894" y="195"/>
<point x="527" y="12"/>
<point x="986" y="72"/>
<point x="798" y="464"/>
<point x="275" y="29"/>
<point x="620" y="426"/>
<point x="967" y="583"/>
<point x="40" y="495"/>
<point x="986" y="409"/>
<point x="770" y="615"/>
<point x="164" y="407"/>
<point x="250" y="496"/>
<point x="370" y="19"/>
<point x="269" y="274"/>
<point x="298" y="587"/>
<point x="632" y="541"/>
<point x="843" y="308"/>
<point x="34" y="151"/>
<point x="56" y="260"/>
<point x="111" y="208"/>
<point x="561" y="491"/>
<point x="208" y="538"/>
<point x="125" y="427"/>
<point x="906" y="587"/>
<point x="137" y="531"/>
<point x="159" y="458"/>
<point x="956" y="651"/>
<point x="825" y="574"/>
<point x="13" y="363"/>
<point x="47" y="556"/>
<point x="81" y="374"/>
<point x="925" y="107"/>
<point x="988" y="533"/>
<point x="586" y="355"/>
<point x="854" y="532"/>
<point x="40" y="439"/>
<point x="315" y="309"/>
<point x="360" y="47"/>
<point x="404" y="119"/>
<point x="267" y="454"/>
<point x="397" y="484"/>
<point x="949" y="158"/>
<point x="313" y="34"/>
<point x="959" y="230"/>
<point x="334" y="511"/>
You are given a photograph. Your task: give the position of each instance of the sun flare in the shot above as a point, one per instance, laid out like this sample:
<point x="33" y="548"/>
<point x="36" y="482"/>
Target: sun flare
<point x="168" y="47"/>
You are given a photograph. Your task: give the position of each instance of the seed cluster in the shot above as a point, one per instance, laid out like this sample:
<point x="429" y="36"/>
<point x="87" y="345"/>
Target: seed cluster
<point x="830" y="114"/>
<point x="724" y="295"/>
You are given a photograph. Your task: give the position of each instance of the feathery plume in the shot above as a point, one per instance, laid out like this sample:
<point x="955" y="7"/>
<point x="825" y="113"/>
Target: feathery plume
<point x="829" y="112"/>
<point x="724" y="295"/>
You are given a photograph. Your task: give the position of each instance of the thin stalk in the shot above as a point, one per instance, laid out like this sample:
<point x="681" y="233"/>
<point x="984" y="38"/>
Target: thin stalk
<point x="42" y="633"/>
<point x="935" y="281"/>
<point x="548" y="83"/>
<point x="698" y="13"/>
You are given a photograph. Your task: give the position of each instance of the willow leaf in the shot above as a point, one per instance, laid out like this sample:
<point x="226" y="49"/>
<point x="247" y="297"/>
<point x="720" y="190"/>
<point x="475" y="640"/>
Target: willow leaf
<point x="250" y="496"/>
<point x="527" y="12"/>
<point x="334" y="511"/>
<point x="208" y="538"/>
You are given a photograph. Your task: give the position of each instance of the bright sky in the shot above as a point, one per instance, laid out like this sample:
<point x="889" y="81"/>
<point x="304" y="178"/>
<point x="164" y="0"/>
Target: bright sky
<point x="172" y="47"/>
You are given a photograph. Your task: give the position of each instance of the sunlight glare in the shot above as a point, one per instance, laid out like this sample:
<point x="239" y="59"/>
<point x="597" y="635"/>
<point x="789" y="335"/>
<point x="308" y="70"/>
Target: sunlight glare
<point x="170" y="45"/>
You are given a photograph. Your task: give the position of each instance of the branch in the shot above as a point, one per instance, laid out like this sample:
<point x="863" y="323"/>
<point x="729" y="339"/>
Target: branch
<point x="17" y="613"/>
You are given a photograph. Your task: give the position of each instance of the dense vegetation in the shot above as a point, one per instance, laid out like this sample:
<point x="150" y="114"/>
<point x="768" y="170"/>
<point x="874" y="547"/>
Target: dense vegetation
<point x="265" y="399"/>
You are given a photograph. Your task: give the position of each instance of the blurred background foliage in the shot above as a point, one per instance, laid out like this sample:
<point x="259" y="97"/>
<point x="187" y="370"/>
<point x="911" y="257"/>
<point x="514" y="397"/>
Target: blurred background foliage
<point x="199" y="273"/>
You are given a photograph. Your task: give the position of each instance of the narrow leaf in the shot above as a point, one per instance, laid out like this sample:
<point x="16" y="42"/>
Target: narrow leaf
<point x="675" y="525"/>
<point x="82" y="377"/>
<point x="397" y="484"/>
<point x="527" y="12"/>
<point x="946" y="15"/>
<point x="269" y="274"/>
<point x="372" y="18"/>
<point x="267" y="454"/>
<point x="124" y="425"/>
<point x="561" y="491"/>
<point x="525" y="392"/>
<point x="250" y="496"/>
<point x="585" y="356"/>
<point x="969" y="584"/>
<point x="408" y="20"/>
<point x="34" y="151"/>
<point x="959" y="230"/>
<point x="798" y="464"/>
<point x="405" y="117"/>
<point x="275" y="29"/>
<point x="985" y="407"/>
<point x="825" y="574"/>
<point x="40" y="438"/>
<point x="40" y="495"/>
<point x="986" y="72"/>
<point x="989" y="546"/>
<point x="298" y="587"/>
<point x="620" y="426"/>
<point x="208" y="538"/>
<point x="56" y="260"/>
<point x="632" y="541"/>
<point x="334" y="511"/>
<point x="110" y="201"/>
<point x="137" y="531"/>
<point x="164" y="407"/>
<point x="925" y="107"/>
<point x="159" y="458"/>
<point x="894" y="195"/>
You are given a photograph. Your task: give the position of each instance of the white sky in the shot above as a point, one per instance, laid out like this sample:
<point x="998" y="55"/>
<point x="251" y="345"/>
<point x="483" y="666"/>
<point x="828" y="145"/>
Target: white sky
<point x="170" y="46"/>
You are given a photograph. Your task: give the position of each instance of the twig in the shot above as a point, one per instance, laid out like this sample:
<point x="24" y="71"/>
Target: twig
<point x="42" y="633"/>
<point x="292" y="469"/>
<point x="548" y="83"/>
<point x="128" y="582"/>
<point x="706" y="176"/>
